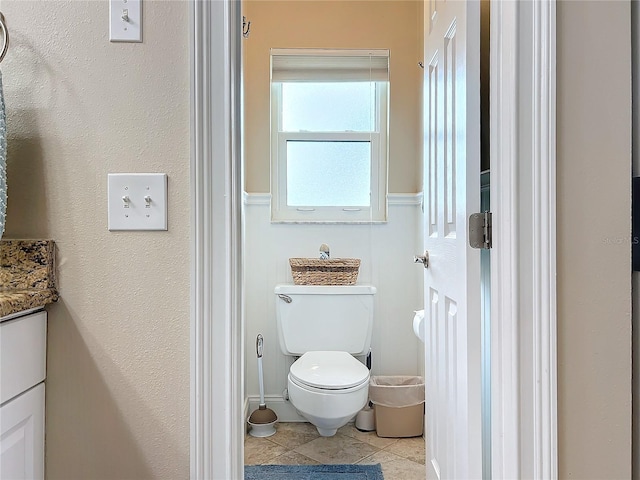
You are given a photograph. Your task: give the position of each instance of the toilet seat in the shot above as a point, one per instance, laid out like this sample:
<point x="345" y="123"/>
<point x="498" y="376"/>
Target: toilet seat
<point x="327" y="370"/>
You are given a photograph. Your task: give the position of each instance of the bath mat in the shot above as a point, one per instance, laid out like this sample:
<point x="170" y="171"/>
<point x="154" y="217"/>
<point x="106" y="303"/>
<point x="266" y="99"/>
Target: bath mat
<point x="313" y="472"/>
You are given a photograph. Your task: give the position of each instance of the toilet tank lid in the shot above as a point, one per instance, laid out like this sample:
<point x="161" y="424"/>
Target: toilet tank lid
<point x="292" y="289"/>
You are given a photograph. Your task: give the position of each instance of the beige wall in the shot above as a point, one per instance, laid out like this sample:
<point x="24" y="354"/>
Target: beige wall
<point x="337" y="24"/>
<point x="78" y="108"/>
<point x="594" y="268"/>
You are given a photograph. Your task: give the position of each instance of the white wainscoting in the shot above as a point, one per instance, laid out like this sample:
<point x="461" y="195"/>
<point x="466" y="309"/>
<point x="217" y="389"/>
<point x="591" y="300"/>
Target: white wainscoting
<point x="386" y="251"/>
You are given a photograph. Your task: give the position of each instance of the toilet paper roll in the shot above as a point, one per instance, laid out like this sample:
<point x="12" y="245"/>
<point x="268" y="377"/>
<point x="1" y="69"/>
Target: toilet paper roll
<point x="418" y="324"/>
<point x="365" y="420"/>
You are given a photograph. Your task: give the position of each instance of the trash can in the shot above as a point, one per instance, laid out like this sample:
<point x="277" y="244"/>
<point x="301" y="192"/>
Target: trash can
<point x="398" y="404"/>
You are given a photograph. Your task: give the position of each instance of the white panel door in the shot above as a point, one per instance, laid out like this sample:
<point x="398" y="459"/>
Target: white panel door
<point x="452" y="279"/>
<point x="22" y="436"/>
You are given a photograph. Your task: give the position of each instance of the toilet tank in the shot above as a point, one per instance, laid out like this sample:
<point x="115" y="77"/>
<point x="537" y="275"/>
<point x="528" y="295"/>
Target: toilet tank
<point x="319" y="317"/>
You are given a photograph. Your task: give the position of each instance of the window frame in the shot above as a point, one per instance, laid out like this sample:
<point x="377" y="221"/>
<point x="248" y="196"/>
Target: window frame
<point x="376" y="212"/>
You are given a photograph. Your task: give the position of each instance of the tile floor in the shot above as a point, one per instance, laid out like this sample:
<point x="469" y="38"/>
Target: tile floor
<point x="300" y="444"/>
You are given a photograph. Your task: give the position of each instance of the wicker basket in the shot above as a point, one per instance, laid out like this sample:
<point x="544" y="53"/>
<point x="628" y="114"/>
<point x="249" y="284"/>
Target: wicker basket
<point x="333" y="271"/>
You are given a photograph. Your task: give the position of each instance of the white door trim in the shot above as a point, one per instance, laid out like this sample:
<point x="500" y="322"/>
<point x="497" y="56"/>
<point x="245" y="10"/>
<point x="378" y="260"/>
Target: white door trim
<point x="523" y="201"/>
<point x="523" y="292"/>
<point x="217" y="367"/>
<point x="543" y="153"/>
<point x="505" y="458"/>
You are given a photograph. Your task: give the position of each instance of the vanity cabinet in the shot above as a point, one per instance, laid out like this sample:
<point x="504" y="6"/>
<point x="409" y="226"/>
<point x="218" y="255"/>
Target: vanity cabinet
<point x="22" y="372"/>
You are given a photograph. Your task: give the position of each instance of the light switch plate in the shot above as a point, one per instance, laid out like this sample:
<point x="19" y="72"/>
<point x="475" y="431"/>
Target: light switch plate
<point x="125" y="21"/>
<point x="137" y="201"/>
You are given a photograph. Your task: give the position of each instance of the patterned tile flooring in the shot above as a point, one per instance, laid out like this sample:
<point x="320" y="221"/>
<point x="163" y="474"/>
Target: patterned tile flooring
<point x="300" y="444"/>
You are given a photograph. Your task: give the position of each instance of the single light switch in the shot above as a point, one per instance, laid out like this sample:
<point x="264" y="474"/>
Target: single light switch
<point x="137" y="201"/>
<point x="125" y="20"/>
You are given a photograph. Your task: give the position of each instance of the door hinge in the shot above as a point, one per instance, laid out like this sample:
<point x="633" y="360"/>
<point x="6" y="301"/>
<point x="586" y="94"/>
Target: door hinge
<point x="480" y="230"/>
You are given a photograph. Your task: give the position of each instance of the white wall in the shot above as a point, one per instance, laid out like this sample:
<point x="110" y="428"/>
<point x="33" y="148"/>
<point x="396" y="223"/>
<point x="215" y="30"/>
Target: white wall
<point x="386" y="251"/>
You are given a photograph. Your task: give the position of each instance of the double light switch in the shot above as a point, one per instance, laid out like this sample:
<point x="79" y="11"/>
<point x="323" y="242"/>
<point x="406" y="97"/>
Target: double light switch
<point x="137" y="201"/>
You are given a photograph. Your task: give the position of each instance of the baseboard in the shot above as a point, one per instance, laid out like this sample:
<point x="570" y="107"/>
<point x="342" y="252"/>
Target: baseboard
<point x="246" y="416"/>
<point x="283" y="408"/>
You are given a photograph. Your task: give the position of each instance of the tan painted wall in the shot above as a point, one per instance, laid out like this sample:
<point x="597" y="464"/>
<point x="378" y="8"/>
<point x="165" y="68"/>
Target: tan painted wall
<point x="78" y="108"/>
<point x="337" y="24"/>
<point x="594" y="267"/>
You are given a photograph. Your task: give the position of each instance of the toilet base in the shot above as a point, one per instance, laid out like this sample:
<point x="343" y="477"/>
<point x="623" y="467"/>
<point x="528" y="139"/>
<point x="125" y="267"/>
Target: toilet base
<point x="328" y="411"/>
<point x="327" y="427"/>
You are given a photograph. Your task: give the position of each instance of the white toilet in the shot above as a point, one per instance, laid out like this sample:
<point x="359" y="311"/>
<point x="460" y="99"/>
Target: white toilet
<point x="326" y="326"/>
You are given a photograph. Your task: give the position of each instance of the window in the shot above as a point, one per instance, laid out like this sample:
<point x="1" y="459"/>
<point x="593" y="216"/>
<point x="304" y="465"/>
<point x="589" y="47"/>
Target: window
<point x="329" y="135"/>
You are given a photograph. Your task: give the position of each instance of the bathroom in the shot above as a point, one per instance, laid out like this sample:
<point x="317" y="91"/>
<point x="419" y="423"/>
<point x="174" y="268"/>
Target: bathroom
<point x="118" y="400"/>
<point x="386" y="249"/>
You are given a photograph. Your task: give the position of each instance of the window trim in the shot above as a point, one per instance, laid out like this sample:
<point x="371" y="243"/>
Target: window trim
<point x="376" y="212"/>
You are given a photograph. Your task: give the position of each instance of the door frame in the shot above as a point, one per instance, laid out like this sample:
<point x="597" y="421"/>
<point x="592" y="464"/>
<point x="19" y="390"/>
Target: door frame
<point x="523" y="269"/>
<point x="523" y="259"/>
<point x="216" y="327"/>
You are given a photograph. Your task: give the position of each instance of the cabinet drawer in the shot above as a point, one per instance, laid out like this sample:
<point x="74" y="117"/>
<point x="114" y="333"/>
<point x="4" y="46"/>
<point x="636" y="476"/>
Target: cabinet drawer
<point x="23" y="357"/>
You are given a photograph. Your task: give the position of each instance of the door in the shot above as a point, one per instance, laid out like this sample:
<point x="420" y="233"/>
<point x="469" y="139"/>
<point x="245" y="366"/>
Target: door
<point x="452" y="278"/>
<point x="22" y="436"/>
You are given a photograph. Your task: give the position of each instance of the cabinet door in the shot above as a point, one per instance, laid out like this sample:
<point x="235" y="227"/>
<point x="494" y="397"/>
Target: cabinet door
<point x="23" y="347"/>
<point x="22" y="436"/>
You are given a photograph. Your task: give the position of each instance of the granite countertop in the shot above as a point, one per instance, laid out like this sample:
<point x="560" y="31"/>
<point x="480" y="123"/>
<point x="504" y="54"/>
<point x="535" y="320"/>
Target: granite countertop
<point x="27" y="275"/>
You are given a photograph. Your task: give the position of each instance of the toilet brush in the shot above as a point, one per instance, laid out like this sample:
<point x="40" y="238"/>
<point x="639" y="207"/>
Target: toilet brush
<point x="262" y="419"/>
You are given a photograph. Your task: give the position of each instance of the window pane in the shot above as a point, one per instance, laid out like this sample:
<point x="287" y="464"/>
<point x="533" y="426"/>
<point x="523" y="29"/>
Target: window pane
<point x="328" y="174"/>
<point x="328" y="107"/>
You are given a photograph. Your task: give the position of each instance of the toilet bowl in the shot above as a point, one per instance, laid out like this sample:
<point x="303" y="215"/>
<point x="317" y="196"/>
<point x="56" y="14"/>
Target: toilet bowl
<point x="328" y="388"/>
<point x="326" y="327"/>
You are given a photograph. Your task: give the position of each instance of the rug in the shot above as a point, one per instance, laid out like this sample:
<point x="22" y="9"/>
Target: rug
<point x="313" y="472"/>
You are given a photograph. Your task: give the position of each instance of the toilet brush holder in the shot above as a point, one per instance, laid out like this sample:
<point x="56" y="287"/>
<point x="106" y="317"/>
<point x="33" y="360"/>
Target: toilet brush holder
<point x="365" y="420"/>
<point x="263" y="419"/>
<point x="262" y="429"/>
